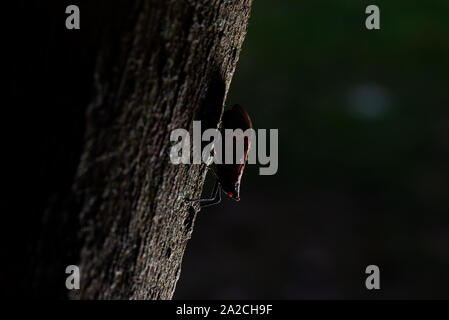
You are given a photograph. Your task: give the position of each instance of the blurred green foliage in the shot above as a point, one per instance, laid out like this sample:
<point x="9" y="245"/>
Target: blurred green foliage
<point x="302" y="61"/>
<point x="363" y="119"/>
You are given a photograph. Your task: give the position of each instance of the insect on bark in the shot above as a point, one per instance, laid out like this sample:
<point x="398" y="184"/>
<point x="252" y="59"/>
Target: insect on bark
<point x="229" y="176"/>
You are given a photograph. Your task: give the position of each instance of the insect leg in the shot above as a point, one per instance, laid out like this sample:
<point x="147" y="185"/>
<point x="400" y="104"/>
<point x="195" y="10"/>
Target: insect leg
<point x="214" y="199"/>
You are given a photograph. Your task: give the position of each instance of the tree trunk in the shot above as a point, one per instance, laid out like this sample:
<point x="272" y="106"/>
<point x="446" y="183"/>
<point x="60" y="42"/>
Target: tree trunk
<point x="160" y="65"/>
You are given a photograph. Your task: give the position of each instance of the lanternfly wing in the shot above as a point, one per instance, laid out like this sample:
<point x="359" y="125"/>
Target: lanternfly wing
<point x="230" y="174"/>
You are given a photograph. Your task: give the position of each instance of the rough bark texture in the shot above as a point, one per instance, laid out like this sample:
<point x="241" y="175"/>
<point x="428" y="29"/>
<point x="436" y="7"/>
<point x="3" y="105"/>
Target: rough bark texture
<point x="163" y="65"/>
<point x="95" y="107"/>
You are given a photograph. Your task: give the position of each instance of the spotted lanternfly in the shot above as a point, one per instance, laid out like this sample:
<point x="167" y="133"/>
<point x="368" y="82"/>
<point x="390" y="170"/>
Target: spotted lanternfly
<point x="228" y="176"/>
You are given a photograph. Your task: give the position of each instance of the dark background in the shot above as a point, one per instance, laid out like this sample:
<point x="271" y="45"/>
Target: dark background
<point x="363" y="119"/>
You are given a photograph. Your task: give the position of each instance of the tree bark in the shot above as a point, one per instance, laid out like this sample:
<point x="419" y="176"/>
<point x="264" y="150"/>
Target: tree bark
<point x="161" y="65"/>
